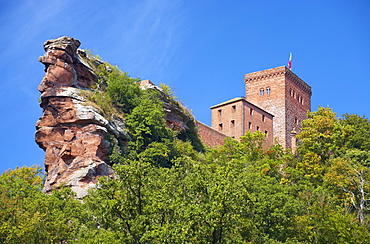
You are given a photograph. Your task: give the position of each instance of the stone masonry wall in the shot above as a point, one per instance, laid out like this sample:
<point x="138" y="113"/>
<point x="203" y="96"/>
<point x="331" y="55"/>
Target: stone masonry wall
<point x="288" y="110"/>
<point x="210" y="136"/>
<point x="298" y="102"/>
<point x="237" y="116"/>
<point x="274" y="102"/>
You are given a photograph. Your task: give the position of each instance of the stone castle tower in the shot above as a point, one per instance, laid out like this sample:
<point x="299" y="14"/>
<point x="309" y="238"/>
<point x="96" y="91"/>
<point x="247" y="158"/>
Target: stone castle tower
<point x="276" y="102"/>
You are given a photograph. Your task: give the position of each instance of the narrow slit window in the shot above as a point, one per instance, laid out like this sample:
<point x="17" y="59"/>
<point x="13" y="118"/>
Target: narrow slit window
<point x="268" y="90"/>
<point x="263" y="117"/>
<point x="258" y="128"/>
<point x="232" y="123"/>
<point x="233" y="108"/>
<point x="251" y="111"/>
<point x="250" y="125"/>
<point x="220" y="126"/>
<point x="266" y="133"/>
<point x="220" y="112"/>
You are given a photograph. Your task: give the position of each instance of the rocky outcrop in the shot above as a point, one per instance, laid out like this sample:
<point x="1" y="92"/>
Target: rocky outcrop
<point x="73" y="135"/>
<point x="177" y="117"/>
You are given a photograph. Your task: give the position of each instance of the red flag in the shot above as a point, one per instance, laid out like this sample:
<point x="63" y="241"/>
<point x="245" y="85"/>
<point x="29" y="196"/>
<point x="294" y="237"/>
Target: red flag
<point x="290" y="62"/>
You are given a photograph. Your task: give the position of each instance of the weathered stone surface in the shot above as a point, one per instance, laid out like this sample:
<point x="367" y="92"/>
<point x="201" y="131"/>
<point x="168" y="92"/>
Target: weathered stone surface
<point x="176" y="116"/>
<point x="63" y="67"/>
<point x="72" y="134"/>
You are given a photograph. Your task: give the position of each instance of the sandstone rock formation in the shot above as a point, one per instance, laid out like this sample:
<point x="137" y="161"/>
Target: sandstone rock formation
<point x="77" y="137"/>
<point x="72" y="134"/>
<point x="177" y="117"/>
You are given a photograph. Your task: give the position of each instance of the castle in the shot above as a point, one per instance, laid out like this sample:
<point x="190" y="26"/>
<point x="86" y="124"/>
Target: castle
<point x="276" y="102"/>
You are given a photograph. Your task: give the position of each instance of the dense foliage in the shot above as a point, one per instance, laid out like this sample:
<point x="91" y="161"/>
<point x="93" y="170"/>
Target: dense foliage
<point x="237" y="193"/>
<point x="165" y="191"/>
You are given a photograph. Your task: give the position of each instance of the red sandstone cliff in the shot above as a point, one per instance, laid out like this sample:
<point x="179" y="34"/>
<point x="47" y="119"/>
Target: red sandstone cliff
<point x="72" y="134"/>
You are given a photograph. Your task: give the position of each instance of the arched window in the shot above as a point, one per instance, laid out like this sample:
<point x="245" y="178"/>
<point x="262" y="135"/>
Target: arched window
<point x="262" y="91"/>
<point x="268" y="90"/>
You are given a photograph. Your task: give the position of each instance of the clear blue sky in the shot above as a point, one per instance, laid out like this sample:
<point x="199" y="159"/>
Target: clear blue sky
<point x="201" y="49"/>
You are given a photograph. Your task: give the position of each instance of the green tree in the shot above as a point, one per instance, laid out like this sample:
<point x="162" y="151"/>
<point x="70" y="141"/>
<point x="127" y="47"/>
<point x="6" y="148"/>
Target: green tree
<point x="349" y="177"/>
<point x="146" y="122"/>
<point x="321" y="134"/>
<point x="122" y="89"/>
<point x="360" y="135"/>
<point x="28" y="215"/>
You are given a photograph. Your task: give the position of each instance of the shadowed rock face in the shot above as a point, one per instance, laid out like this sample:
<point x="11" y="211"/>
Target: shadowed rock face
<point x="72" y="134"/>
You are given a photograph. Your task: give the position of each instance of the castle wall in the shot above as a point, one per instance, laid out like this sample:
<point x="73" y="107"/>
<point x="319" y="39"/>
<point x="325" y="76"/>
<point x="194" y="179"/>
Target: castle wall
<point x="210" y="136"/>
<point x="272" y="101"/>
<point x="237" y="116"/>
<point x="298" y="103"/>
<point x="280" y="92"/>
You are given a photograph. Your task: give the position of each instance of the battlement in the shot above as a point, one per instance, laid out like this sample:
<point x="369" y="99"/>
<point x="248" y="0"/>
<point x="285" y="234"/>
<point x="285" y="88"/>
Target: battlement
<point x="277" y="72"/>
